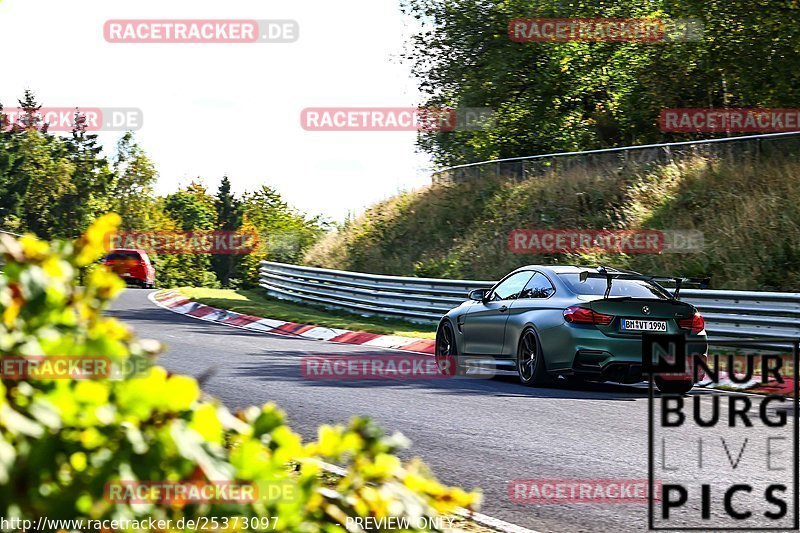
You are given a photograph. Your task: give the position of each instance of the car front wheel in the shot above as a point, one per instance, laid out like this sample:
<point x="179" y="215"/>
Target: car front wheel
<point x="446" y="351"/>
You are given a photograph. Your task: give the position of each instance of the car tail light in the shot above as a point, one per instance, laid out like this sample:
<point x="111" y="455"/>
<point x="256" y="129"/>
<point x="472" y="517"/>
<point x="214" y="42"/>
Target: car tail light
<point x="583" y="315"/>
<point x="695" y="323"/>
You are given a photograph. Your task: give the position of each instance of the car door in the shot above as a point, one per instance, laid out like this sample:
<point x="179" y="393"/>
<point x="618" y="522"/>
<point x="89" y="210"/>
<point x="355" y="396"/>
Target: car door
<point x="533" y="306"/>
<point x="485" y="324"/>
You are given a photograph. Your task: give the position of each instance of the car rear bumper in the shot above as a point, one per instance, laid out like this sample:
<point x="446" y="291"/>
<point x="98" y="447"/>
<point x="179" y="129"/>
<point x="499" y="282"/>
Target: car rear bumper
<point x="602" y="367"/>
<point x="621" y="360"/>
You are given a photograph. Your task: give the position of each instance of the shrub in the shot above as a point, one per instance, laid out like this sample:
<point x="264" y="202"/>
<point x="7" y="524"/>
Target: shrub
<point x="63" y="440"/>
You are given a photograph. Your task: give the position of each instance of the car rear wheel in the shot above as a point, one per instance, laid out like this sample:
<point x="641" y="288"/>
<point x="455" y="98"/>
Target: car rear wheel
<point x="531" y="367"/>
<point x="446" y="351"/>
<point x="674" y="386"/>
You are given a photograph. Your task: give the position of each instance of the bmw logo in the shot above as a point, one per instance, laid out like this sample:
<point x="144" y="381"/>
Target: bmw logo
<point x="646" y="310"/>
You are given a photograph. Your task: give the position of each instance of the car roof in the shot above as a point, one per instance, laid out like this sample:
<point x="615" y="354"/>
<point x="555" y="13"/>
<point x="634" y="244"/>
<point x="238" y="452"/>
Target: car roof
<point x="563" y="269"/>
<point x="117" y="250"/>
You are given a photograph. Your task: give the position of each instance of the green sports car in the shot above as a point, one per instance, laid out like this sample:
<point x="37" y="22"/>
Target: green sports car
<point x="582" y="323"/>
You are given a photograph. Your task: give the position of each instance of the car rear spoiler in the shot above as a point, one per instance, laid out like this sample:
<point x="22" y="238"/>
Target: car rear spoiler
<point x="679" y="282"/>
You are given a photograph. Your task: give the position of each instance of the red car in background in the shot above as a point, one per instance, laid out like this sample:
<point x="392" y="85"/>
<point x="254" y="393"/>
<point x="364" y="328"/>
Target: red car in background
<point x="132" y="265"/>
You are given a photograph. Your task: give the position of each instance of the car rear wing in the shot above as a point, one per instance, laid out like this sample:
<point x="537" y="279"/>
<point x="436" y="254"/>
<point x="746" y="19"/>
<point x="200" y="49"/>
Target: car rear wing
<point x="610" y="276"/>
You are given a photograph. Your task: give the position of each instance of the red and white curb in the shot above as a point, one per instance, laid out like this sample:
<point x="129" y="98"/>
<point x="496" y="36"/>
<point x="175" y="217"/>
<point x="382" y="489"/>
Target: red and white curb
<point x="177" y="303"/>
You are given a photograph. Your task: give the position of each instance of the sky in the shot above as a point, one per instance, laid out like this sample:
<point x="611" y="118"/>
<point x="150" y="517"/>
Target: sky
<point x="233" y="109"/>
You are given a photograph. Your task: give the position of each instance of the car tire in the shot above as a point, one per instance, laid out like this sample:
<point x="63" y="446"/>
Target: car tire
<point x="531" y="367"/>
<point x="446" y="351"/>
<point x="674" y="386"/>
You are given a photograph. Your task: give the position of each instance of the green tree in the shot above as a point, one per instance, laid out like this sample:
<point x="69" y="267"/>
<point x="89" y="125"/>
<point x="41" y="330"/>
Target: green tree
<point x="191" y="209"/>
<point x="49" y="184"/>
<point x="35" y="173"/>
<point x="30" y="116"/>
<point x="582" y="95"/>
<point x="92" y="179"/>
<point x="55" y="186"/>
<point x="44" y="173"/>
<point x="10" y="195"/>
<point x="134" y="179"/>
<point x="229" y="218"/>
<point x="285" y="231"/>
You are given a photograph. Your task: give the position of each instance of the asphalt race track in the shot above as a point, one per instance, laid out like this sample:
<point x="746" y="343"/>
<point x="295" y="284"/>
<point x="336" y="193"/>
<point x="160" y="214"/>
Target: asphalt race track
<point x="472" y="432"/>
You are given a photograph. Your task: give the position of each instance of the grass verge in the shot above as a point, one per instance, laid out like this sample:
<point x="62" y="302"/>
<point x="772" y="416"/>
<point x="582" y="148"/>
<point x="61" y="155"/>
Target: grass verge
<point x="254" y="302"/>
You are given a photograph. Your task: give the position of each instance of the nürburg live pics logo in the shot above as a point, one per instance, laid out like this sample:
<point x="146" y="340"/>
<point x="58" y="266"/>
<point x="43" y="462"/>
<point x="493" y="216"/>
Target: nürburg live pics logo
<point x="724" y="460"/>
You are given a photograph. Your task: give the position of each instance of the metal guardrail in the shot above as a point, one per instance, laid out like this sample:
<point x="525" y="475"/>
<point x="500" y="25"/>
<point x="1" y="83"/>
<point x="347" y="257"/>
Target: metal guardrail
<point x="418" y="299"/>
<point x="729" y="314"/>
<point x="736" y="148"/>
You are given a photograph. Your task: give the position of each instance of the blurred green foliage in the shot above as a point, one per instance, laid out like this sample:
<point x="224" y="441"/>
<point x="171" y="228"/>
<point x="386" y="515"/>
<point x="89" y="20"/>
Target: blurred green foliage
<point x="62" y="440"/>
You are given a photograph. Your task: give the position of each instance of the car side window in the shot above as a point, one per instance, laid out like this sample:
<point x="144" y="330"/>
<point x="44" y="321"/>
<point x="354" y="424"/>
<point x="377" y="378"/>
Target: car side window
<point x="538" y="287"/>
<point x="511" y="287"/>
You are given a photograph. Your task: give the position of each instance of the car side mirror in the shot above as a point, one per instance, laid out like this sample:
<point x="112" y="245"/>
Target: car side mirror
<point x="478" y="295"/>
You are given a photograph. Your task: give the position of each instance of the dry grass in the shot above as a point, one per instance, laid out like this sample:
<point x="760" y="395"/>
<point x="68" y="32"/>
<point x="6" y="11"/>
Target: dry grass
<point x="749" y="214"/>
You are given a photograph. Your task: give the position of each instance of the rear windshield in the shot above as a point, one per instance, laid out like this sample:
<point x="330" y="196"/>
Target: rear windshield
<point x="119" y="256"/>
<point x="620" y="287"/>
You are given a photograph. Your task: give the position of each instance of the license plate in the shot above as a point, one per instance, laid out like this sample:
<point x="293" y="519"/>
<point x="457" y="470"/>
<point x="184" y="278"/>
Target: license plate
<point x="125" y="275"/>
<point x="632" y="324"/>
